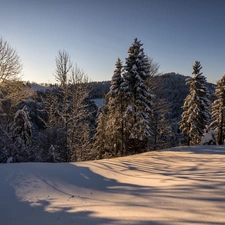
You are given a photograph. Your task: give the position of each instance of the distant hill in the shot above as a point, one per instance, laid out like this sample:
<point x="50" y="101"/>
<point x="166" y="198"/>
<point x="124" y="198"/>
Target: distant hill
<point x="99" y="89"/>
<point x="174" y="90"/>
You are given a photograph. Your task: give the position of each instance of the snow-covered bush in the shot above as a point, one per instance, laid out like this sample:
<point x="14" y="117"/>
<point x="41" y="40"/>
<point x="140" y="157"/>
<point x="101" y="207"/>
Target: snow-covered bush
<point x="21" y="135"/>
<point x="210" y="137"/>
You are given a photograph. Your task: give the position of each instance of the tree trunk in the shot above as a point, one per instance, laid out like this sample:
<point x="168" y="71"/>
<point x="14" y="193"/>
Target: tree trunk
<point x="189" y="138"/>
<point x="220" y="135"/>
<point x="155" y="141"/>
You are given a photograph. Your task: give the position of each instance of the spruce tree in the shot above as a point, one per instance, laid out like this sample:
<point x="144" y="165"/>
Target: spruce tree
<point x="195" y="114"/>
<point x="138" y="107"/>
<point x="115" y="123"/>
<point x="218" y="110"/>
<point x="100" y="138"/>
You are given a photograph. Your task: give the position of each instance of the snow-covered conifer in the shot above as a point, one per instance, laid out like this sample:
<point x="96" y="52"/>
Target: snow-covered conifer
<point x="196" y="113"/>
<point x="100" y="135"/>
<point x="115" y="123"/>
<point x="115" y="88"/>
<point x="218" y="110"/>
<point x="139" y="103"/>
<point x="21" y="134"/>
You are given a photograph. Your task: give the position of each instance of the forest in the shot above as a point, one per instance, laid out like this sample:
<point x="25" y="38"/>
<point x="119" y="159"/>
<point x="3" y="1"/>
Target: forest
<point x="143" y="110"/>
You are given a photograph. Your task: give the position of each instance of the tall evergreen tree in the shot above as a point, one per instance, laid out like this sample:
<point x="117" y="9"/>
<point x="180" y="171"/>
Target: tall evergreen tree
<point x="100" y="144"/>
<point x="138" y="108"/>
<point x="196" y="113"/>
<point x="218" y="110"/>
<point x="115" y="123"/>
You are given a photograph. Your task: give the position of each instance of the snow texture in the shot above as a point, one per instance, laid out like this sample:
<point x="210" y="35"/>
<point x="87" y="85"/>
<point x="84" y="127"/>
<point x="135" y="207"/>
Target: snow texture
<point x="183" y="185"/>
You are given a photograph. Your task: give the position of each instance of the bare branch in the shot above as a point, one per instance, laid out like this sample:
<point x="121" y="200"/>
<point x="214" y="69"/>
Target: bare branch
<point x="63" y="67"/>
<point x="10" y="63"/>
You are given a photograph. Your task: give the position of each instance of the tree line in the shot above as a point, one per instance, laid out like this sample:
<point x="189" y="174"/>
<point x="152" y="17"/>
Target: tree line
<point x="62" y="123"/>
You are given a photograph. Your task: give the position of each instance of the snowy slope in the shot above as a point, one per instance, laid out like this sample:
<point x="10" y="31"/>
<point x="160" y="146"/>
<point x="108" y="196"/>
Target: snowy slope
<point x="183" y="185"/>
<point x="38" y="87"/>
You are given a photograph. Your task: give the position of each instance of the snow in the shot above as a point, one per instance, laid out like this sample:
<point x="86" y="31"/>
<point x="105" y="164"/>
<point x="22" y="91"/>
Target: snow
<point x="9" y="160"/>
<point x="210" y="137"/>
<point x="183" y="185"/>
<point x="99" y="101"/>
<point x="37" y="87"/>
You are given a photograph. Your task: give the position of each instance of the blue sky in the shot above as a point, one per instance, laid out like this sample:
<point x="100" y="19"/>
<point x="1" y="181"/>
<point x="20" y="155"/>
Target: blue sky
<point x="95" y="33"/>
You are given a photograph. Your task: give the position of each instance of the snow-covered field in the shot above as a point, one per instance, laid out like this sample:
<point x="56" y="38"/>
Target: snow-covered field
<point x="183" y="185"/>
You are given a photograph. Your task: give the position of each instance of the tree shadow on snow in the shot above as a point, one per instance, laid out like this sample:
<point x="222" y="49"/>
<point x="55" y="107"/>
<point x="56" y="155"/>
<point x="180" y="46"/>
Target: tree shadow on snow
<point x="19" y="208"/>
<point x="32" y="191"/>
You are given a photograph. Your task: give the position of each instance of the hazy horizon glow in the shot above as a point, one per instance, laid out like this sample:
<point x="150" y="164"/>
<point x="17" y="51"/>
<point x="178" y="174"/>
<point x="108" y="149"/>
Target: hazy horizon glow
<point x="95" y="33"/>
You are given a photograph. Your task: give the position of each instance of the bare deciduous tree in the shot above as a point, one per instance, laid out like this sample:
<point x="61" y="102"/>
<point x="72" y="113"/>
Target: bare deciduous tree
<point x="153" y="67"/>
<point x="10" y="63"/>
<point x="63" y="67"/>
<point x="67" y="111"/>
